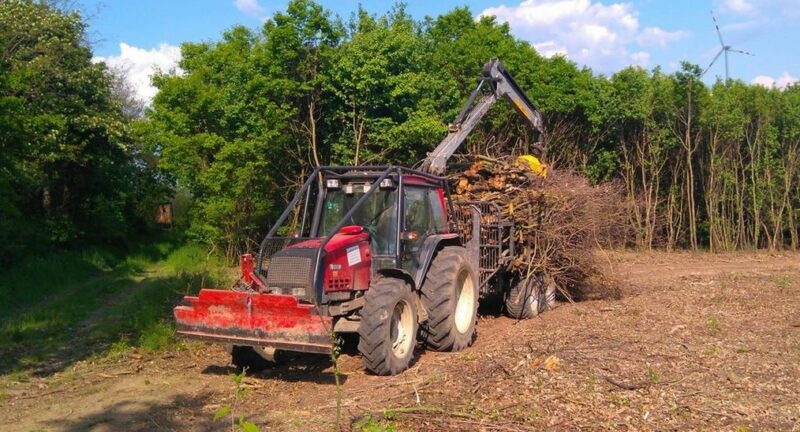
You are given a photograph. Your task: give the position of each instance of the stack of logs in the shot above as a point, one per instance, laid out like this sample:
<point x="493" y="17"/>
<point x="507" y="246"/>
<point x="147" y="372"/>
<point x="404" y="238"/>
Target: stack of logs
<point x="560" y="221"/>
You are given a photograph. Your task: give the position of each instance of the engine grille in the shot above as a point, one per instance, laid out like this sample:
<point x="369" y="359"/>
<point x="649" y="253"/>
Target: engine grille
<point x="287" y="273"/>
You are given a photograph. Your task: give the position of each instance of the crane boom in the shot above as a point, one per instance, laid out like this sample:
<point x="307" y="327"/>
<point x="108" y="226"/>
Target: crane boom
<point x="500" y="85"/>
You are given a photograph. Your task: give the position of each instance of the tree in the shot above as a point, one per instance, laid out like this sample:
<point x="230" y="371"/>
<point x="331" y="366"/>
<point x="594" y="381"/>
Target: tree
<point x="65" y="171"/>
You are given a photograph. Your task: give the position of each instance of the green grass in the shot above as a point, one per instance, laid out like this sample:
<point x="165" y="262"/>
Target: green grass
<point x="785" y="282"/>
<point x="653" y="375"/>
<point x="371" y="425"/>
<point x="72" y="305"/>
<point x="713" y="324"/>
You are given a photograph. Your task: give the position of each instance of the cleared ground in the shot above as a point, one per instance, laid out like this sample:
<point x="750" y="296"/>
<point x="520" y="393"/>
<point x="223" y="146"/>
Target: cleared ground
<point x="696" y="341"/>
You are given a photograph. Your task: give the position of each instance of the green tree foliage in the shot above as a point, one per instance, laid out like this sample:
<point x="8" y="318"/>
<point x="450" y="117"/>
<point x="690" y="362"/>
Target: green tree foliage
<point x="252" y="113"/>
<point x="703" y="167"/>
<point x="67" y="175"/>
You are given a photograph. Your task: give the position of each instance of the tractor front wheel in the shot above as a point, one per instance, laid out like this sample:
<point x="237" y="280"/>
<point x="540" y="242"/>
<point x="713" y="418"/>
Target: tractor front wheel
<point x="388" y="329"/>
<point x="255" y="359"/>
<point x="450" y="296"/>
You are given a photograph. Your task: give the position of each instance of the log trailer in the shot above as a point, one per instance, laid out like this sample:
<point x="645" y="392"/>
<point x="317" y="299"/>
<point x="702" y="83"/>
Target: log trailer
<point x="381" y="251"/>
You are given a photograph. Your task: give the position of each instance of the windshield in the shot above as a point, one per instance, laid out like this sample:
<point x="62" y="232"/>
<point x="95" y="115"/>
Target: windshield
<point x="378" y="215"/>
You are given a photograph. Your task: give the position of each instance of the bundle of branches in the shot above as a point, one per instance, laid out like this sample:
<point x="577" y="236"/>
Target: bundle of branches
<point x="561" y="221"/>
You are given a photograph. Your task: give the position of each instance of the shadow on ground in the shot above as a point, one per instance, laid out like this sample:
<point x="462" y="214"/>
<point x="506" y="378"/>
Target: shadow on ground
<point x="180" y="413"/>
<point x="308" y="368"/>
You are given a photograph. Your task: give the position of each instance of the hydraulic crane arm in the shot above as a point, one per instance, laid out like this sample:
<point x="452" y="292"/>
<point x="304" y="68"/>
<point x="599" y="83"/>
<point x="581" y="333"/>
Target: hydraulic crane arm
<point x="500" y="84"/>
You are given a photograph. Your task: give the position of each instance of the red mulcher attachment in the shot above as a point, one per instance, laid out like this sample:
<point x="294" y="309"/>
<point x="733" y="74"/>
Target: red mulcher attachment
<point x="255" y="319"/>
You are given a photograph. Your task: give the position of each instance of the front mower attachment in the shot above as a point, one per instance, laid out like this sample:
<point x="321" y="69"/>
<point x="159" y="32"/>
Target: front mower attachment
<point x="254" y="319"/>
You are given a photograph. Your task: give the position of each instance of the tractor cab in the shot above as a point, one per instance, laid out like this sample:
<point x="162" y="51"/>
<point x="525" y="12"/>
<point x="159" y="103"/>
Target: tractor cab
<point x="398" y="216"/>
<point x="390" y="211"/>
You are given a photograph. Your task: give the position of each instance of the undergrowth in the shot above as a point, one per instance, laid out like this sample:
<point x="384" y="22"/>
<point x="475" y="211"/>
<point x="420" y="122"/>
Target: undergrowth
<point x="101" y="301"/>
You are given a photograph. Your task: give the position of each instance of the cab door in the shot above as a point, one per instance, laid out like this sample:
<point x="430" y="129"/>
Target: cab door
<point x="423" y="216"/>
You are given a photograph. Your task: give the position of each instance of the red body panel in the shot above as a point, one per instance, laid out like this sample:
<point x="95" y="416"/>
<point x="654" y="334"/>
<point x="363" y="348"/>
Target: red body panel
<point x="419" y="181"/>
<point x="344" y="273"/>
<point x="249" y="318"/>
<point x="348" y="267"/>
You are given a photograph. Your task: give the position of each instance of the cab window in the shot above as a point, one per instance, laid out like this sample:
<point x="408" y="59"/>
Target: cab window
<point x="417" y="226"/>
<point x="437" y="212"/>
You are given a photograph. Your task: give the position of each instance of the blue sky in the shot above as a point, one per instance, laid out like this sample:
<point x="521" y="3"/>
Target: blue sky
<point x="605" y="35"/>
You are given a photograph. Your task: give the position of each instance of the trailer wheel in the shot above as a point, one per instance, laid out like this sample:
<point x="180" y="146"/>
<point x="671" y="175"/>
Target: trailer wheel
<point x="527" y="300"/>
<point x="255" y="359"/>
<point x="450" y="296"/>
<point x="388" y="328"/>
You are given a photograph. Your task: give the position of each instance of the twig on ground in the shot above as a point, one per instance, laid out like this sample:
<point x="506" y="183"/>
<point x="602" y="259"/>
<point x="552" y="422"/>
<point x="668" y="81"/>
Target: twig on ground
<point x="628" y="386"/>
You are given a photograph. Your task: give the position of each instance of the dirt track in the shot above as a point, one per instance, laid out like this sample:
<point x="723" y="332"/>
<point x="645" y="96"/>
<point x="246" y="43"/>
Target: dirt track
<point x="697" y="341"/>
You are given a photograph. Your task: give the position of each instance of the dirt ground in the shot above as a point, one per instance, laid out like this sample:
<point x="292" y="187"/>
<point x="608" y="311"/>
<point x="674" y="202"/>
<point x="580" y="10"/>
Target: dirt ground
<point x="696" y="341"/>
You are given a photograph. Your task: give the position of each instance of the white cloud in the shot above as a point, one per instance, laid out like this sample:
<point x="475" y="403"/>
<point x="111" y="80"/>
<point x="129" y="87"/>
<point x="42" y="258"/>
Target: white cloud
<point x="641" y="58"/>
<point x="737" y="7"/>
<point x="587" y="31"/>
<point x="783" y="81"/>
<point x="654" y="36"/>
<point x="250" y="7"/>
<point x="550" y="48"/>
<point x="139" y="64"/>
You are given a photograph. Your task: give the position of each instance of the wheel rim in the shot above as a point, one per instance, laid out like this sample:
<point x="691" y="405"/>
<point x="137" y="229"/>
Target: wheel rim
<point x="532" y="292"/>
<point x="402" y="329"/>
<point x="465" y="306"/>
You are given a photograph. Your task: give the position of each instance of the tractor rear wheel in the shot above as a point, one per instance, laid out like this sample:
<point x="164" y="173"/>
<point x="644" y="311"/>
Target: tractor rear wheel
<point x="450" y="296"/>
<point x="388" y="329"/>
<point x="528" y="298"/>
<point x="255" y="359"/>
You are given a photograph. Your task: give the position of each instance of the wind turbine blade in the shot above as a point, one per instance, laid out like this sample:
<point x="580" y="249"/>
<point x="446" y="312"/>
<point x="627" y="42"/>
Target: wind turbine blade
<point x="741" y="52"/>
<point x="712" y="62"/>
<point x="719" y="33"/>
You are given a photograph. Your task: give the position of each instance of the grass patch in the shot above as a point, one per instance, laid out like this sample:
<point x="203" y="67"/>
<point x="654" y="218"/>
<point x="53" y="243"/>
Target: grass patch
<point x="370" y="424"/>
<point x="86" y="303"/>
<point x="713" y="324"/>
<point x="18" y="377"/>
<point x="653" y="375"/>
<point x="117" y="349"/>
<point x="157" y="336"/>
<point x="785" y="282"/>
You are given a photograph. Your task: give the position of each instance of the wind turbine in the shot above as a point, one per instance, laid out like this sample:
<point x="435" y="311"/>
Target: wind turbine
<point x="725" y="49"/>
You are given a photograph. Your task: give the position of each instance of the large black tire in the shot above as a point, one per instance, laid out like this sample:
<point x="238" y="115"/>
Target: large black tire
<point x="388" y="329"/>
<point x="525" y="301"/>
<point x="253" y="359"/>
<point x="450" y="295"/>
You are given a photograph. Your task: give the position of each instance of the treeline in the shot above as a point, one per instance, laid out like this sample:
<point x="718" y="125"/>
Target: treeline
<point x="71" y="172"/>
<point x="713" y="167"/>
<point x="252" y="114"/>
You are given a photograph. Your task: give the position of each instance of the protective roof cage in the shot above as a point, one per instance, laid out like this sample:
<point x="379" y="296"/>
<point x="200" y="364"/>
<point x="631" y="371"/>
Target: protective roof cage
<point x="272" y="243"/>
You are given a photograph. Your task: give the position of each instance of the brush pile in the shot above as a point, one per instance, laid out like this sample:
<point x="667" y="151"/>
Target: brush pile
<point x="560" y="221"/>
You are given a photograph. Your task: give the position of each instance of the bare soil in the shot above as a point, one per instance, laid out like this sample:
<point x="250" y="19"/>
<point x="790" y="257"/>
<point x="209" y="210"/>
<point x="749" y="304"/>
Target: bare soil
<point x="696" y="341"/>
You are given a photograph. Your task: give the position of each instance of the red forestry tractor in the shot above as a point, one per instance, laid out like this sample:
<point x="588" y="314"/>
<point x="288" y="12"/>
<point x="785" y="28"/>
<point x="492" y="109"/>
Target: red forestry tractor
<point x="380" y="251"/>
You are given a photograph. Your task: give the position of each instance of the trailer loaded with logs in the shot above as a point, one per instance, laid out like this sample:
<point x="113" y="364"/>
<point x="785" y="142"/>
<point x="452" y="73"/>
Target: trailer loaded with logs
<point x="385" y="252"/>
